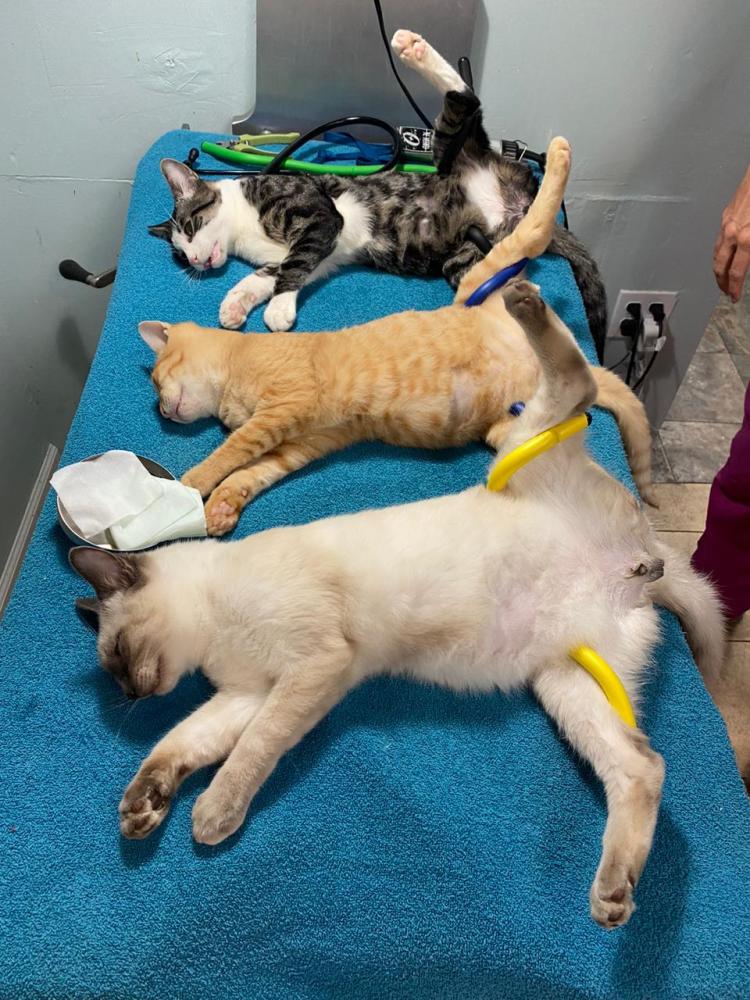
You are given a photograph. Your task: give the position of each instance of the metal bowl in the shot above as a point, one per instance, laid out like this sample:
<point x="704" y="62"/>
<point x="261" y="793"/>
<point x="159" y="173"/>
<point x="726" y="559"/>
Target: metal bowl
<point x="68" y="525"/>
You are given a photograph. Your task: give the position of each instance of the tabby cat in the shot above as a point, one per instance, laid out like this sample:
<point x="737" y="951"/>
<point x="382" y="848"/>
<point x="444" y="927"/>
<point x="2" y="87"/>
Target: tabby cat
<point x="476" y="591"/>
<point x="301" y="227"/>
<point x="421" y="379"/>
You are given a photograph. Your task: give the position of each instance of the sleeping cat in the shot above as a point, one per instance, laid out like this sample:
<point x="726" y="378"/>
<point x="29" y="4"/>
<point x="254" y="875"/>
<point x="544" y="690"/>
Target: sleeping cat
<point x="298" y="227"/>
<point x="474" y="591"/>
<point x="422" y="379"/>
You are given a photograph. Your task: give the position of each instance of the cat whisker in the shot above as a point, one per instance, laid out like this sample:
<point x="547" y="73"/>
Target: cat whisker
<point x="128" y="713"/>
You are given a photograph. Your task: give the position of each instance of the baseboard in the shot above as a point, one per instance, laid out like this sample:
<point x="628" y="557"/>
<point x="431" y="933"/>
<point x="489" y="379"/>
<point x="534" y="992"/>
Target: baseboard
<point x="26" y="527"/>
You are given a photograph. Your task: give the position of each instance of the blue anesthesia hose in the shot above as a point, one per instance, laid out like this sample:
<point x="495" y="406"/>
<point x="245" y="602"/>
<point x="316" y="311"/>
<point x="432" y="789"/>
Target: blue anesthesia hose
<point x="497" y="280"/>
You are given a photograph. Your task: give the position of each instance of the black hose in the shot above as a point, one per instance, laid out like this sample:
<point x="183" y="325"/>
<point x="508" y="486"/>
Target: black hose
<point x="402" y="85"/>
<point x="276" y="163"/>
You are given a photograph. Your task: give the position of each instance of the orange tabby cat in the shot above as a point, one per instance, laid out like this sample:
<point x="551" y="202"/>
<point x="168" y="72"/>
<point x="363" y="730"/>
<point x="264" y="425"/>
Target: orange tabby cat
<point x="423" y="379"/>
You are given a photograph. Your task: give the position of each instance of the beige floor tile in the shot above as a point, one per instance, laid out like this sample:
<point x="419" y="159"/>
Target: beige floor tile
<point x="712" y="391"/>
<point x="711" y="341"/>
<point x="696" y="451"/>
<point x="660" y="469"/>
<point x="742" y="363"/>
<point x="731" y="323"/>
<point x="682" y="506"/>
<point x="682" y="541"/>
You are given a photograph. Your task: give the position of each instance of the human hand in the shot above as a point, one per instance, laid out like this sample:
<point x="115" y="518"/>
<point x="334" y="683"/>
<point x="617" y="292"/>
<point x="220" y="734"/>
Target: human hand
<point x="732" y="249"/>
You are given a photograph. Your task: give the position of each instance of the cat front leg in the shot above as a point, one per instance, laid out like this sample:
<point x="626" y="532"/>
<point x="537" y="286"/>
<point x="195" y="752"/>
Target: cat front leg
<point x="229" y="499"/>
<point x="632" y="774"/>
<point x="296" y="703"/>
<point x="245" y="295"/>
<point x="312" y="237"/>
<point x="266" y="429"/>
<point x="205" y="737"/>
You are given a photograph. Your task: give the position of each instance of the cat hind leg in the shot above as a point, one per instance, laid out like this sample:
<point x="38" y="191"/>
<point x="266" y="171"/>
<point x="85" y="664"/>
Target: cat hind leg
<point x="566" y="385"/>
<point x="417" y="53"/>
<point x="632" y="774"/>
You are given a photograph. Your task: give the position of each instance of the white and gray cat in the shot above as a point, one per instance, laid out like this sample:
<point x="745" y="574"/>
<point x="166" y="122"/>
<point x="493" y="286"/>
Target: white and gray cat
<point x="298" y="227"/>
<point x="476" y="591"/>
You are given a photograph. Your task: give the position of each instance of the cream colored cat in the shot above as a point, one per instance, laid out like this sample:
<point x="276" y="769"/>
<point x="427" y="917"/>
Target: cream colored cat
<point x="474" y="591"/>
<point x="421" y="379"/>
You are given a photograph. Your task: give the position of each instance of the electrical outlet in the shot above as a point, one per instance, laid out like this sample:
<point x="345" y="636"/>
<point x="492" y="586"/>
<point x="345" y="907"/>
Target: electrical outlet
<point x="645" y="299"/>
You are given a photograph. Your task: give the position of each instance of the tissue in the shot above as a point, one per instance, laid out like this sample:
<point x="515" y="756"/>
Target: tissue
<point x="113" y="500"/>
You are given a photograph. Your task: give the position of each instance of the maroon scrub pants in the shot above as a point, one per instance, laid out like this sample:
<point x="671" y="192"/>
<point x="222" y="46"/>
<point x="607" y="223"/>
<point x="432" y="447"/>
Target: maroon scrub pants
<point x="723" y="551"/>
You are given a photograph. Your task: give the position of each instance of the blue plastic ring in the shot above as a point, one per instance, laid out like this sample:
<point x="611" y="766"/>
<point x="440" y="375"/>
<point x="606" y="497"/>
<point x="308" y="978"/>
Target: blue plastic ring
<point x="497" y="280"/>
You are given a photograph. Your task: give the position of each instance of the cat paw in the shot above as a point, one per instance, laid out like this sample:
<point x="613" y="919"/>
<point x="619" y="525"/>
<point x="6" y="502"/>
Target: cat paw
<point x="611" y="897"/>
<point x="145" y="803"/>
<point x="409" y="46"/>
<point x="233" y="311"/>
<point x="281" y="312"/>
<point x="523" y="301"/>
<point x="200" y="480"/>
<point x="216" y="816"/>
<point x="223" y="509"/>
<point x="243" y="298"/>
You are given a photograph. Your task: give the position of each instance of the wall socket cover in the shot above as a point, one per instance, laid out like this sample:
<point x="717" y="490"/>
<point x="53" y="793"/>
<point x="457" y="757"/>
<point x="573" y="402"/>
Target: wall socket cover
<point x="645" y="299"/>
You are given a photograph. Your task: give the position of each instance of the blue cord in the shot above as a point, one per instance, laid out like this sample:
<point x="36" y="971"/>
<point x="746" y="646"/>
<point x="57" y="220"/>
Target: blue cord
<point x="497" y="280"/>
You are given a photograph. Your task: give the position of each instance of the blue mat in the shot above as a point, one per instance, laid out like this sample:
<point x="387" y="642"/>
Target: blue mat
<point x="417" y="844"/>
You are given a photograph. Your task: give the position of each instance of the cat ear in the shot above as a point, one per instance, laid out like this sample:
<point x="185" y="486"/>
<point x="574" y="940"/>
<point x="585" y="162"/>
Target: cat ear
<point x="155" y="333"/>
<point x="105" y="571"/>
<point x="163" y="230"/>
<point x="181" y="179"/>
<point x="88" y="612"/>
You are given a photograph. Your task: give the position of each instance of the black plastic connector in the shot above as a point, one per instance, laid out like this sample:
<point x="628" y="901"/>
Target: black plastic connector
<point x="631" y="328"/>
<point x="657" y="311"/>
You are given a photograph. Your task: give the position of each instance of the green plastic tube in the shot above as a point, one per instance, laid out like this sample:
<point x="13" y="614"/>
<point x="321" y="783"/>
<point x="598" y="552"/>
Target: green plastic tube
<point x="261" y="160"/>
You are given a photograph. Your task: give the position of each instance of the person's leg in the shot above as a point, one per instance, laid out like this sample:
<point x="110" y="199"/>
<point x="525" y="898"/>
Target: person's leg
<point x="723" y="550"/>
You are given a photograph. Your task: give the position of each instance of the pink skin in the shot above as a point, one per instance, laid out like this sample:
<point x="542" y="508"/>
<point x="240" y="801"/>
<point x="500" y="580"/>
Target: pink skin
<point x="216" y="258"/>
<point x="172" y="414"/>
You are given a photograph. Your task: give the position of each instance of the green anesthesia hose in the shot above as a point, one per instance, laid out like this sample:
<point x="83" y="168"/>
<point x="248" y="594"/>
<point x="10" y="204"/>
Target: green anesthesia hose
<point x="261" y="160"/>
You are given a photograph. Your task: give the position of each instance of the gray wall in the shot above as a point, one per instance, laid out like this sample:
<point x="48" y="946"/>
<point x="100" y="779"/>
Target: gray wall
<point x="86" y="89"/>
<point x="655" y="99"/>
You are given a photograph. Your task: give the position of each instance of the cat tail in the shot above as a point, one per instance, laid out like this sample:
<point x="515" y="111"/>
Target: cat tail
<point x="532" y="235"/>
<point x="694" y="600"/>
<point x="589" y="282"/>
<point x="614" y="395"/>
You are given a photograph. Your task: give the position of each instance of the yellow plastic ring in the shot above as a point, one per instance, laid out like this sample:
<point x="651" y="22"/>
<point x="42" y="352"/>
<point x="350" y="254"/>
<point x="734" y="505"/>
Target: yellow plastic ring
<point x="509" y="464"/>
<point x="607" y="680"/>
